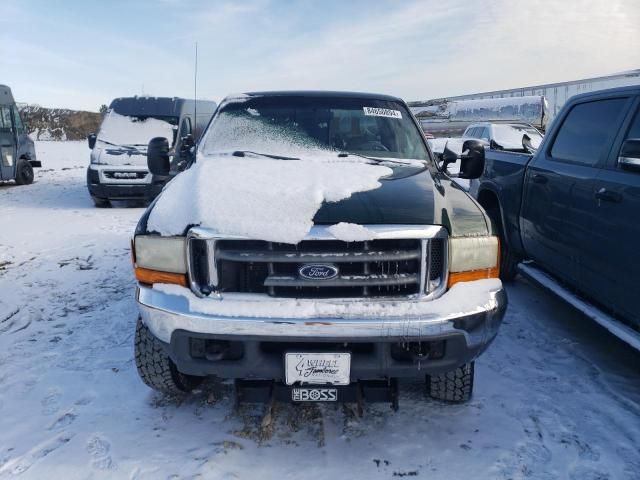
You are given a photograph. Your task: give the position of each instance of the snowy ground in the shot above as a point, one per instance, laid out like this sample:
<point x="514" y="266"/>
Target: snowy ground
<point x="556" y="396"/>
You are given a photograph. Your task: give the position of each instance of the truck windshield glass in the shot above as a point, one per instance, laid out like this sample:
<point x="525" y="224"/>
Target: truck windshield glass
<point x="136" y="131"/>
<point x="302" y="126"/>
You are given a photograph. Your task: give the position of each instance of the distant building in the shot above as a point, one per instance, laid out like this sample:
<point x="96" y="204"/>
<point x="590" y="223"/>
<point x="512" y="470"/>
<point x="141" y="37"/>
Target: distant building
<point x="555" y="93"/>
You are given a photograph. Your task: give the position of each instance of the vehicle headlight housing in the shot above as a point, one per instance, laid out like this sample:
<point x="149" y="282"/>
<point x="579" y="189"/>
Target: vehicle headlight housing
<point x="473" y="258"/>
<point x="160" y="259"/>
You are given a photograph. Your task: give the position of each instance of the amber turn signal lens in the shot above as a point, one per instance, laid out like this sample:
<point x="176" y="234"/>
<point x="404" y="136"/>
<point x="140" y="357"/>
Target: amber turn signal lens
<point x="473" y="275"/>
<point x="149" y="277"/>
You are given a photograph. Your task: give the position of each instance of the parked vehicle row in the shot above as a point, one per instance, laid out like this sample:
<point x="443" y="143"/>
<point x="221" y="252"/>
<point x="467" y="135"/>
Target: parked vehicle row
<point x="398" y="271"/>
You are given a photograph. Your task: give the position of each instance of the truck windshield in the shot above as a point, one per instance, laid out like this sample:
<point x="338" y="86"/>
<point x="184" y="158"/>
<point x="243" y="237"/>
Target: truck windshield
<point x="296" y="127"/>
<point x="136" y="131"/>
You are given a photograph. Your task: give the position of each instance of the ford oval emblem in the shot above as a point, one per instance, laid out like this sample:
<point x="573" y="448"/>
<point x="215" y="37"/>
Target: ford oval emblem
<point x="318" y="272"/>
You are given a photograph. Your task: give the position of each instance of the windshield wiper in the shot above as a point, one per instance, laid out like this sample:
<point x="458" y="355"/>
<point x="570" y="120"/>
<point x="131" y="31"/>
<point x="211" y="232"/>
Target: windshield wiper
<point x="241" y="153"/>
<point x="373" y="159"/>
<point x="123" y="146"/>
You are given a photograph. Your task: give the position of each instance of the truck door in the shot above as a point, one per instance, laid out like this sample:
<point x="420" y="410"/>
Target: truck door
<point x="559" y="185"/>
<point x="609" y="268"/>
<point x="7" y="144"/>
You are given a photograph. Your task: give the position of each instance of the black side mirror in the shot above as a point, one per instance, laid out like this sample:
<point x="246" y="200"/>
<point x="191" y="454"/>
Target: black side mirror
<point x="186" y="144"/>
<point x="472" y="160"/>
<point x="158" y="156"/>
<point x="91" y="139"/>
<point x="448" y="156"/>
<point x="629" y="158"/>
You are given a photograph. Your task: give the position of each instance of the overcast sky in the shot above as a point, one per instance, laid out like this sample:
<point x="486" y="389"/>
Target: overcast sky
<point x="81" y="54"/>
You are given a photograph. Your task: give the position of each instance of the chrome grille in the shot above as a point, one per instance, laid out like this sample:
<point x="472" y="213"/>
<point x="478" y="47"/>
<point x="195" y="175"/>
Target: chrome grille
<point x="384" y="267"/>
<point x="132" y="175"/>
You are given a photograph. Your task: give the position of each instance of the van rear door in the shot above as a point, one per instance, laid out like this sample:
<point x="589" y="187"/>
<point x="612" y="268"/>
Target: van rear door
<point x="7" y="144"/>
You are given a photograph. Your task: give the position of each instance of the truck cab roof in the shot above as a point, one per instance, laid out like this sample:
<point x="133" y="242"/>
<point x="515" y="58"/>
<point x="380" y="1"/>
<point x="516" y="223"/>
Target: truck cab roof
<point x="323" y="94"/>
<point x="159" y="106"/>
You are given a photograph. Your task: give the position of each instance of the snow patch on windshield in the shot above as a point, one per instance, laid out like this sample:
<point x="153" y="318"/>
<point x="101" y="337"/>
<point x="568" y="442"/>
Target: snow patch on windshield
<point x="259" y="198"/>
<point x="124" y="130"/>
<point x="351" y="232"/>
<point x="239" y="131"/>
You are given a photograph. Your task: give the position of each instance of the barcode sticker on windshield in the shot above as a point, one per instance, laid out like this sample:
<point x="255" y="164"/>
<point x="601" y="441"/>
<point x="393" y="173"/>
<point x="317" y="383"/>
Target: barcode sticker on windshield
<point x="382" y="112"/>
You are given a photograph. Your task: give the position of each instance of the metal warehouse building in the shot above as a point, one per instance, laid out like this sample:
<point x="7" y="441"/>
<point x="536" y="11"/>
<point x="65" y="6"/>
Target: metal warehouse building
<point x="558" y="93"/>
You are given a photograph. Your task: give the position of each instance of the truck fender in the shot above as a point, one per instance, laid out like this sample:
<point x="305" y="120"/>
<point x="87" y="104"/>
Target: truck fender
<point x="489" y="198"/>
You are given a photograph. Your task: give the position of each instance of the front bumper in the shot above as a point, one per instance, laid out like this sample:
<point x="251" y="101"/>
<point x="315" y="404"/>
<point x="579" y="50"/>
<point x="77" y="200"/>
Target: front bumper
<point x="121" y="191"/>
<point x="461" y="326"/>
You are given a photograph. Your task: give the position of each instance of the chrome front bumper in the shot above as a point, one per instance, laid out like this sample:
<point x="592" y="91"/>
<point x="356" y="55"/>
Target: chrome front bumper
<point x="474" y="309"/>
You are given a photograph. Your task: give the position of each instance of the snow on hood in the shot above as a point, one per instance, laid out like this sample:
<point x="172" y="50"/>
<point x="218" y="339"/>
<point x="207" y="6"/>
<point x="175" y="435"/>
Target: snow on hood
<point x="257" y="197"/>
<point x="124" y="130"/>
<point x="351" y="232"/>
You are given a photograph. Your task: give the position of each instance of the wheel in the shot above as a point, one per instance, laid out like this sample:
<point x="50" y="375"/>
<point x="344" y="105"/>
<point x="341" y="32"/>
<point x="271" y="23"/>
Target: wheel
<point x="455" y="386"/>
<point x="156" y="368"/>
<point x="24" y="172"/>
<point x="101" y="202"/>
<point x="508" y="260"/>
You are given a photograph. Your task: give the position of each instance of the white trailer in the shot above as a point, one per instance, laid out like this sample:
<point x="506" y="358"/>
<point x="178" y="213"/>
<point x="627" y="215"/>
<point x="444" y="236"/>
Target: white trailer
<point x="556" y="93"/>
<point x="450" y="117"/>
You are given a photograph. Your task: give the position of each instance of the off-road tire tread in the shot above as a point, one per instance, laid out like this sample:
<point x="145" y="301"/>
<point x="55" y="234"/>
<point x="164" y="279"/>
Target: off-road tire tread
<point x="455" y="386"/>
<point x="156" y="368"/>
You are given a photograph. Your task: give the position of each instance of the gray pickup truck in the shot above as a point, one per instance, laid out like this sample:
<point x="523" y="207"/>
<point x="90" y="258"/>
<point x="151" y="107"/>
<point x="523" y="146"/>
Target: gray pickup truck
<point x="571" y="209"/>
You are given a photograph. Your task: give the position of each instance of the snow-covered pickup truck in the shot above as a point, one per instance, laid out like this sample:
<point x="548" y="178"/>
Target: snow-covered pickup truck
<point x="314" y="251"/>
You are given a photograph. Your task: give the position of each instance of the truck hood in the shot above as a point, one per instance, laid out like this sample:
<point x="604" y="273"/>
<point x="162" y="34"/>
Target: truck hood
<point x="419" y="196"/>
<point x="280" y="201"/>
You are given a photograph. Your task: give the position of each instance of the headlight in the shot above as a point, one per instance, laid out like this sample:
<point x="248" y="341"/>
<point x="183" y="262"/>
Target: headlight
<point x="473" y="258"/>
<point x="160" y="259"/>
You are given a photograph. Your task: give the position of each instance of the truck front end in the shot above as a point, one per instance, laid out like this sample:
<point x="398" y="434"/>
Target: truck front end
<point x="344" y="309"/>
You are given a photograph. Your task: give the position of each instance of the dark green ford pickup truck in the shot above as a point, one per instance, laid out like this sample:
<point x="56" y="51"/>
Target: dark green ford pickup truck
<point x="315" y="251"/>
<point x="572" y="208"/>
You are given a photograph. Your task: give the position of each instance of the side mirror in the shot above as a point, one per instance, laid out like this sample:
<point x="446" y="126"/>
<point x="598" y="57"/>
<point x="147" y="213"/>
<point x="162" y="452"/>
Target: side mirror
<point x="527" y="145"/>
<point x="471" y="160"/>
<point x="158" y="156"/>
<point x="91" y="140"/>
<point x="186" y="144"/>
<point x="629" y="158"/>
<point x="448" y="156"/>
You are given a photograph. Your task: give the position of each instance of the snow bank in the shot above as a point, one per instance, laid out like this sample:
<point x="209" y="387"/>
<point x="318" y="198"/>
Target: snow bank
<point x="351" y="232"/>
<point x="124" y="130"/>
<point x="259" y="198"/>
<point x="462" y="297"/>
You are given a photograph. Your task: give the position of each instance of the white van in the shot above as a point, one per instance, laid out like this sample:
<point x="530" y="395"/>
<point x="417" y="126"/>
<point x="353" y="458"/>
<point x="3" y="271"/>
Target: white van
<point x="118" y="168"/>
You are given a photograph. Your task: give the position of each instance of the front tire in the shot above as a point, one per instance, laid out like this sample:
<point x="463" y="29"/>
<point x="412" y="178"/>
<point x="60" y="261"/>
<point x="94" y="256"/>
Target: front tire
<point x="24" y="172"/>
<point x="155" y="367"/>
<point x="455" y="386"/>
<point x="101" y="202"/>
